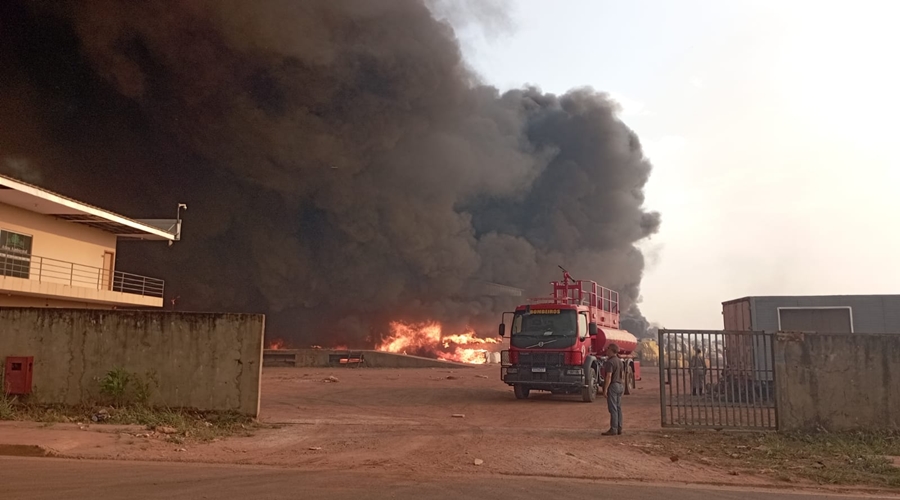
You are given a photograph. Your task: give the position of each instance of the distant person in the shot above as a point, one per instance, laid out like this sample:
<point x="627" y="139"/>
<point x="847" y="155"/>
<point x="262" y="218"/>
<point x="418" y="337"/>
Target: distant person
<point x="613" y="388"/>
<point x="698" y="372"/>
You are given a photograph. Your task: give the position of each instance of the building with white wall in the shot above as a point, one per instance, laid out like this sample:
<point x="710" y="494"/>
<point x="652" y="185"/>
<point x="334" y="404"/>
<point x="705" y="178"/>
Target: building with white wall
<point x="60" y="252"/>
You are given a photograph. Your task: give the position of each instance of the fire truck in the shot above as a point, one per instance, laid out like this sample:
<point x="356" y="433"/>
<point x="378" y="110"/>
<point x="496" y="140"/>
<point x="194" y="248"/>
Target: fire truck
<point x="558" y="343"/>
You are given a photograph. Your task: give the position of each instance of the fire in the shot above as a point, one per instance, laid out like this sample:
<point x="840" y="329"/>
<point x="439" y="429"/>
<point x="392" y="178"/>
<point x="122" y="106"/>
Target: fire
<point x="276" y="344"/>
<point x="427" y="339"/>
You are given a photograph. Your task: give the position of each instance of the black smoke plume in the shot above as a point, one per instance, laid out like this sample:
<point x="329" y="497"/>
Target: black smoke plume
<point x="342" y="165"/>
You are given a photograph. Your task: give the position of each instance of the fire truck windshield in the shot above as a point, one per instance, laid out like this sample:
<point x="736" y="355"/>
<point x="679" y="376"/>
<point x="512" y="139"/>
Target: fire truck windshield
<point x="527" y="327"/>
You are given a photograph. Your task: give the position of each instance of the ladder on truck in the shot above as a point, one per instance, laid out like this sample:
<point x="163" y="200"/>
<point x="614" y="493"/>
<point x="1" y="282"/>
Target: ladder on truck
<point x="570" y="291"/>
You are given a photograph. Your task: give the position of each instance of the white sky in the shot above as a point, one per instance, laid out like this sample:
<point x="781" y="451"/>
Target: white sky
<point x="771" y="126"/>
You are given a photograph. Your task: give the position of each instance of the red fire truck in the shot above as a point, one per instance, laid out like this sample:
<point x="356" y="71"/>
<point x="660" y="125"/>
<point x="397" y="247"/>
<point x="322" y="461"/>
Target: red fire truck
<point x="558" y="343"/>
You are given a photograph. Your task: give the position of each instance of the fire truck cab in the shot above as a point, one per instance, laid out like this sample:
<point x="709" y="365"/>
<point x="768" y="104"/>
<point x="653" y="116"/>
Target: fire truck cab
<point x="558" y="343"/>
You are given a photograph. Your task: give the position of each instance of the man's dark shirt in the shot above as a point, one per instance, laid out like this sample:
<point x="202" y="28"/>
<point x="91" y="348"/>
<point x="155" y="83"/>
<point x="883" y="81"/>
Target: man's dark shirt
<point x="614" y="370"/>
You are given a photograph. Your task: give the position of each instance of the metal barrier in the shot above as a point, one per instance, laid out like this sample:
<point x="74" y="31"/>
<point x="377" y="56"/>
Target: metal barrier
<point x="46" y="270"/>
<point x="717" y="379"/>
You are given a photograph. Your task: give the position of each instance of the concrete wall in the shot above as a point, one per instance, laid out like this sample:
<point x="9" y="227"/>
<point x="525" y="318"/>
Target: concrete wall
<point x="205" y="361"/>
<point x="373" y="359"/>
<point x="837" y="381"/>
<point x="8" y="300"/>
<point x="32" y="293"/>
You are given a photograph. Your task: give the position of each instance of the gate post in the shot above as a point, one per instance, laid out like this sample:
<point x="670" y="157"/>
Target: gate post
<point x="662" y="381"/>
<point x="778" y="366"/>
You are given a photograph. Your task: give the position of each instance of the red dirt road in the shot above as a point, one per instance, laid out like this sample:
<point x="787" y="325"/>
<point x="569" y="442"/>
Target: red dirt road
<point x="401" y="421"/>
<point x="51" y="479"/>
<point x="392" y="423"/>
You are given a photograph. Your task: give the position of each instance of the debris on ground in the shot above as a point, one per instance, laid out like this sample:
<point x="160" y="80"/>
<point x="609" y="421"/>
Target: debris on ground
<point x="452" y="377"/>
<point x="165" y="429"/>
<point x="481" y="376"/>
<point x="100" y="416"/>
<point x="478" y="461"/>
<point x="315" y="448"/>
<point x="330" y="378"/>
<point x="458" y="415"/>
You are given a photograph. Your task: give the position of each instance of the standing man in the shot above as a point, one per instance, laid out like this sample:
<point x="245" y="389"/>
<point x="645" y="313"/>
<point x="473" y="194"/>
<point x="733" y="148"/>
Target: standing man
<point x="698" y="372"/>
<point x="613" y="388"/>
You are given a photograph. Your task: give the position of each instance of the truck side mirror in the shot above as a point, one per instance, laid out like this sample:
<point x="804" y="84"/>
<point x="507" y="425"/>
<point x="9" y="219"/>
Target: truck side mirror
<point x="592" y="329"/>
<point x="502" y="329"/>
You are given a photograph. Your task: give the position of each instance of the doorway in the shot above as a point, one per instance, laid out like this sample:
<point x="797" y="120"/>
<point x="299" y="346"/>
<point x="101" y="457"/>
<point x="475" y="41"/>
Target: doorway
<point x="106" y="274"/>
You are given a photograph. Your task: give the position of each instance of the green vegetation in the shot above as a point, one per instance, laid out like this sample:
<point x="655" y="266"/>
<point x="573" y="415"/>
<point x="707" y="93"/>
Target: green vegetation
<point x="125" y="400"/>
<point x="7" y="407"/>
<point x="120" y="387"/>
<point x="859" y="458"/>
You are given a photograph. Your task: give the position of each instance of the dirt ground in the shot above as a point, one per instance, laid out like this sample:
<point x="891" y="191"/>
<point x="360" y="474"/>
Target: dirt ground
<point x="403" y="420"/>
<point x="53" y="479"/>
<point x="412" y="421"/>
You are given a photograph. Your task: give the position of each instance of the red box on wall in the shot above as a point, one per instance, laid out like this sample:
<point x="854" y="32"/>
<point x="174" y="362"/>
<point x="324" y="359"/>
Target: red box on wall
<point x="17" y="375"/>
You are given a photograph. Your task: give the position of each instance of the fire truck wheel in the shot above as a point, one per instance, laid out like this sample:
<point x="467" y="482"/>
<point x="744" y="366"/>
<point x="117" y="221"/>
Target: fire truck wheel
<point x="629" y="380"/>
<point x="521" y="391"/>
<point x="589" y="393"/>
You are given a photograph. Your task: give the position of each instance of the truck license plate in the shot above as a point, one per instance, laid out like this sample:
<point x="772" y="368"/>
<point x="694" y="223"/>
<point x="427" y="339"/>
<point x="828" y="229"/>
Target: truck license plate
<point x="538" y="369"/>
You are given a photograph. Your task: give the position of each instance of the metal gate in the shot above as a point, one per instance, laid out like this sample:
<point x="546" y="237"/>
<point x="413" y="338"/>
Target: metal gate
<point x="717" y="379"/>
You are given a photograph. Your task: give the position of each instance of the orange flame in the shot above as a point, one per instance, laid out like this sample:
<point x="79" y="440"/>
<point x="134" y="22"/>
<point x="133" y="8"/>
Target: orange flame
<point x="426" y="339"/>
<point x="276" y="344"/>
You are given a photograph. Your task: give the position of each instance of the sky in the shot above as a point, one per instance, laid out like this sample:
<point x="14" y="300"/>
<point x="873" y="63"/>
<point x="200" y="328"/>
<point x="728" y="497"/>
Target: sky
<point x="771" y="127"/>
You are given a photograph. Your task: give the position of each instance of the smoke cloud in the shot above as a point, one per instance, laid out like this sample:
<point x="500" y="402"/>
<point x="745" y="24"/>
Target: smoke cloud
<point x="342" y="165"/>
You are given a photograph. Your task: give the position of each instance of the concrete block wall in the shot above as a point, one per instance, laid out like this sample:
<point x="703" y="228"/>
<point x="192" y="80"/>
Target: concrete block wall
<point x="373" y="359"/>
<point x="837" y="381"/>
<point x="206" y="361"/>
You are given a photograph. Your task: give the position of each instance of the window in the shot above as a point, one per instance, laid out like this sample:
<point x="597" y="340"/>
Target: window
<point x="815" y="319"/>
<point x="582" y="325"/>
<point x="15" y="254"/>
<point x="537" y="328"/>
<point x="545" y="322"/>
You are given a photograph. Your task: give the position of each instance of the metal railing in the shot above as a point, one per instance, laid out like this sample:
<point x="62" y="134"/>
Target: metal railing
<point x="46" y="270"/>
<point x="717" y="379"/>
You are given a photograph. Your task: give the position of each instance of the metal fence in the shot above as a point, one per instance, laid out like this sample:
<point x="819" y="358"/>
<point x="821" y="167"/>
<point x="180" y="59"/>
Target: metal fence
<point x="46" y="270"/>
<point x="717" y="379"/>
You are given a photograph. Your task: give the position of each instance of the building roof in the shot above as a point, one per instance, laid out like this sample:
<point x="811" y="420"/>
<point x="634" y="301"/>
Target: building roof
<point x="39" y="200"/>
<point x="813" y="297"/>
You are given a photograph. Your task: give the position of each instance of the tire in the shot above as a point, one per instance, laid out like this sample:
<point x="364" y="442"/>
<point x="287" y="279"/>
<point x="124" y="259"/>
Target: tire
<point x="589" y="393"/>
<point x="629" y="380"/>
<point x="521" y="391"/>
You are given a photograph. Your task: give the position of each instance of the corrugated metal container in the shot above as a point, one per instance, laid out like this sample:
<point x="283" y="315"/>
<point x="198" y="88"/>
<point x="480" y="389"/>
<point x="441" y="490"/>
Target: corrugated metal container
<point x="822" y="314"/>
<point x="745" y="354"/>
